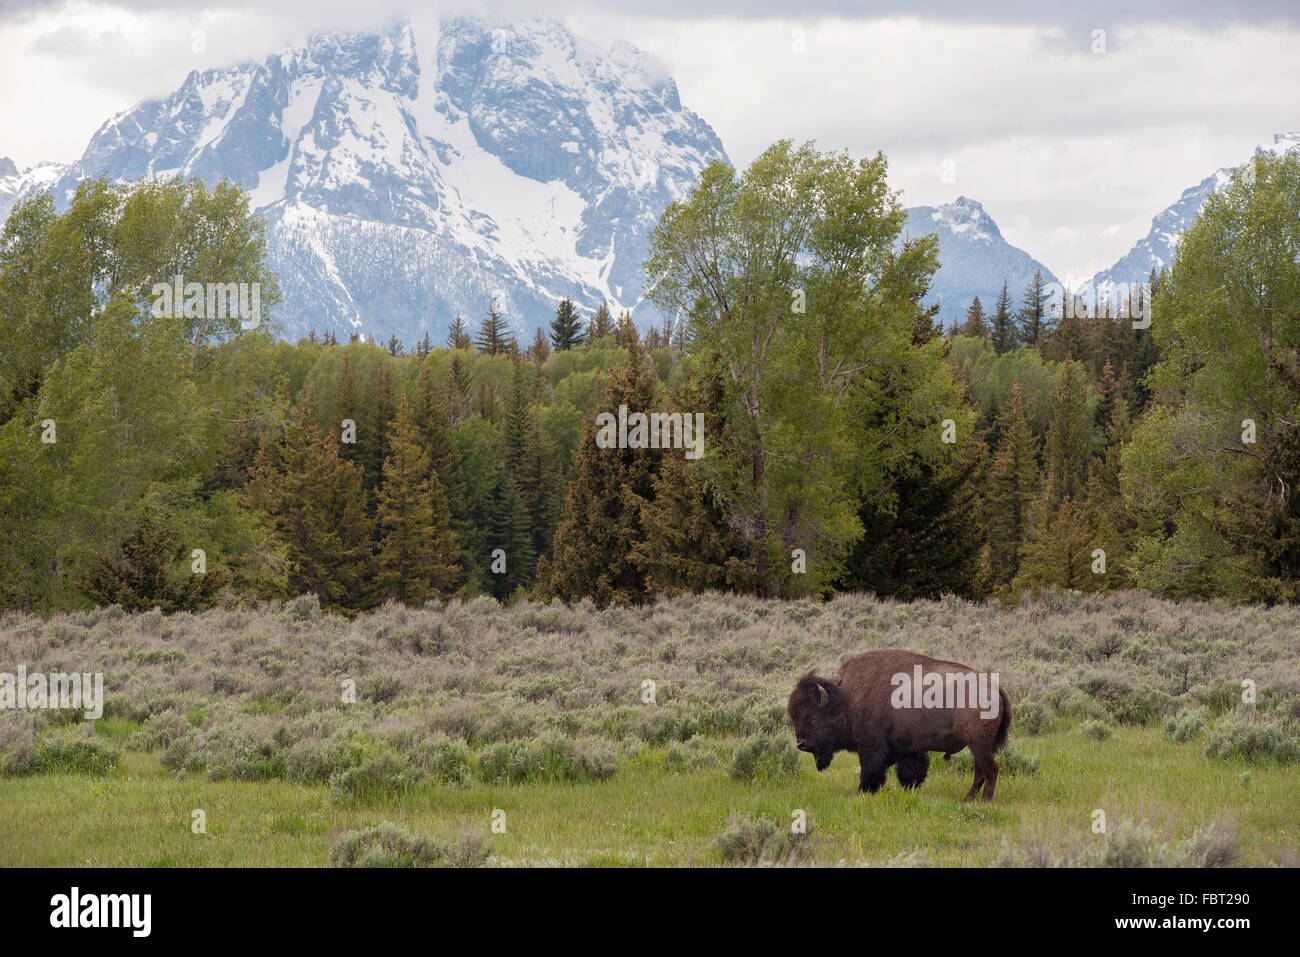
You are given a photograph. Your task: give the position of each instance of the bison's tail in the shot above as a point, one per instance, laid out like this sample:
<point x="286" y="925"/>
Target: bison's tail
<point x="1005" y="724"/>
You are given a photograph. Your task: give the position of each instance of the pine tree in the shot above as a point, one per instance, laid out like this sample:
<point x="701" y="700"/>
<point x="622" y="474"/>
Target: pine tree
<point x="566" y="327"/>
<point x="430" y="410"/>
<point x="458" y="336"/>
<point x="975" y="324"/>
<point x="1060" y="550"/>
<point x="602" y="325"/>
<point x="1032" y="312"/>
<point x="540" y="350"/>
<point x="625" y="332"/>
<point x="151" y="570"/>
<point x="1004" y="330"/>
<point x="594" y="549"/>
<point x="1108" y="392"/>
<point x="348" y="405"/>
<point x="688" y="543"/>
<point x="380" y="410"/>
<point x="1068" y="445"/>
<point x="395" y="347"/>
<point x="1012" y="487"/>
<point x="418" y="551"/>
<point x="525" y="461"/>
<point x="931" y="542"/>
<point x="509" y="539"/>
<point x="459" y="383"/>
<point x="494" y="335"/>
<point x="316" y="503"/>
<point x="425" y="346"/>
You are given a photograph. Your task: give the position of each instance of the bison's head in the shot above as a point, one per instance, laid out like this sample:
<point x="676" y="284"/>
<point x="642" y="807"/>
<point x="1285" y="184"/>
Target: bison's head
<point x="816" y="709"/>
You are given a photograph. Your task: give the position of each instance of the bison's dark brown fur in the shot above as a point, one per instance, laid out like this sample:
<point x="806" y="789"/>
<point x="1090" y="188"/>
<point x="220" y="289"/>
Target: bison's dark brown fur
<point x="853" y="712"/>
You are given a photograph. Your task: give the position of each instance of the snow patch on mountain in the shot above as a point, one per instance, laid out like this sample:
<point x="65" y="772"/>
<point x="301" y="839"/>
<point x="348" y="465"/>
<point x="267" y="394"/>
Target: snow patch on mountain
<point x="974" y="258"/>
<point x="406" y="177"/>
<point x="1156" y="250"/>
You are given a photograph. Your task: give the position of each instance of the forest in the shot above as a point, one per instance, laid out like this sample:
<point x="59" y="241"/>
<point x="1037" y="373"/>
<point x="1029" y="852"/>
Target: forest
<point x="173" y="458"/>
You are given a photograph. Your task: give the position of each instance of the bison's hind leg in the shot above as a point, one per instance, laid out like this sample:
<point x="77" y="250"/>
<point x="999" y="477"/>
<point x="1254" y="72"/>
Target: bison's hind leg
<point x="986" y="770"/>
<point x="912" y="768"/>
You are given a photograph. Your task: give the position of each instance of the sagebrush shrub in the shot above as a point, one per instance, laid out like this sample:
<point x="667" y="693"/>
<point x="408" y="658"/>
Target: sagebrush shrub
<point x="750" y="840"/>
<point x="765" y="757"/>
<point x="1187" y="724"/>
<point x="1252" y="737"/>
<point x="1097" y="730"/>
<point x="1130" y="844"/>
<point x="387" y="845"/>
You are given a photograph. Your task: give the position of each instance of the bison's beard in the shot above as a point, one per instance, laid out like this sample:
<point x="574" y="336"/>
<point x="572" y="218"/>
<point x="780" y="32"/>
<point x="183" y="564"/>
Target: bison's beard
<point x="823" y="759"/>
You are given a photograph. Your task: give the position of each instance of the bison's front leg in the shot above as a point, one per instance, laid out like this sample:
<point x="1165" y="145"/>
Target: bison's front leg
<point x="874" y="765"/>
<point x="912" y="768"/>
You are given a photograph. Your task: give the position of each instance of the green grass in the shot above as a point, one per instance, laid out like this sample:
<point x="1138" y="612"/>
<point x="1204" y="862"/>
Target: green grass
<point x="648" y="814"/>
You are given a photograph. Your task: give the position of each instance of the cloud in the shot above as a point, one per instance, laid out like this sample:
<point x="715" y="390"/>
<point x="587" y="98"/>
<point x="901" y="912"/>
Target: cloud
<point x="1205" y="14"/>
<point x="1071" y="151"/>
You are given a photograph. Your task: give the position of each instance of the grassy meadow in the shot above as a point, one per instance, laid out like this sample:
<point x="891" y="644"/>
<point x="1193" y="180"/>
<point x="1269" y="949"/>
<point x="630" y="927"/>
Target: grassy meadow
<point x="474" y="733"/>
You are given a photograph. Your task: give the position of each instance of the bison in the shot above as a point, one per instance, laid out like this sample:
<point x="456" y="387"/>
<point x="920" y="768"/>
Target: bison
<point x="892" y="707"/>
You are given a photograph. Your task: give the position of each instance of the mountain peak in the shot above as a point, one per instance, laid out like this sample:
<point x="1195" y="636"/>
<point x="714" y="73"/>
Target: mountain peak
<point x="1157" y="249"/>
<point x="974" y="256"/>
<point x="411" y="173"/>
<point x="964" y="218"/>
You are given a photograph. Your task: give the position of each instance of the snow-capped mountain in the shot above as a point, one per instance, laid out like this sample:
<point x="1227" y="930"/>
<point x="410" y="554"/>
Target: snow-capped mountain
<point x="1157" y="248"/>
<point x="974" y="257"/>
<point x="409" y="177"/>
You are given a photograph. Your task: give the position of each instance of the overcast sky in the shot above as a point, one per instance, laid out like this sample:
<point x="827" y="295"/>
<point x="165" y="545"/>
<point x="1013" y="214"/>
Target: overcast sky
<point x="1070" y="149"/>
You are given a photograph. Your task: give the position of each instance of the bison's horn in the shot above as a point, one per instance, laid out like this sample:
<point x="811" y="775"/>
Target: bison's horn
<point x="822" y="696"/>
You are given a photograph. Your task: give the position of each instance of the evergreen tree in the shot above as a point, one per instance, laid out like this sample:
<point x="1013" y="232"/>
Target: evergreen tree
<point x="1012" y="487"/>
<point x="459" y="383"/>
<point x="494" y="335"/>
<point x="1068" y="445"/>
<point x="348" y="405"/>
<point x="1108" y="396"/>
<point x="540" y="350"/>
<point x="1073" y="336"/>
<point x="373" y="442"/>
<point x="625" y="332"/>
<point x="316" y="503"/>
<point x="151" y="570"/>
<point x="566" y="327"/>
<point x="418" y="550"/>
<point x="930" y="542"/>
<point x="511" y="559"/>
<point x="1059" y="553"/>
<point x="525" y="461"/>
<point x="430" y="411"/>
<point x="458" y="335"/>
<point x="602" y="324"/>
<point x="1003" y="331"/>
<point x="1032" y="313"/>
<point x="594" y="550"/>
<point x="975" y="324"/>
<point x="689" y="545"/>
<point x="395" y="347"/>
